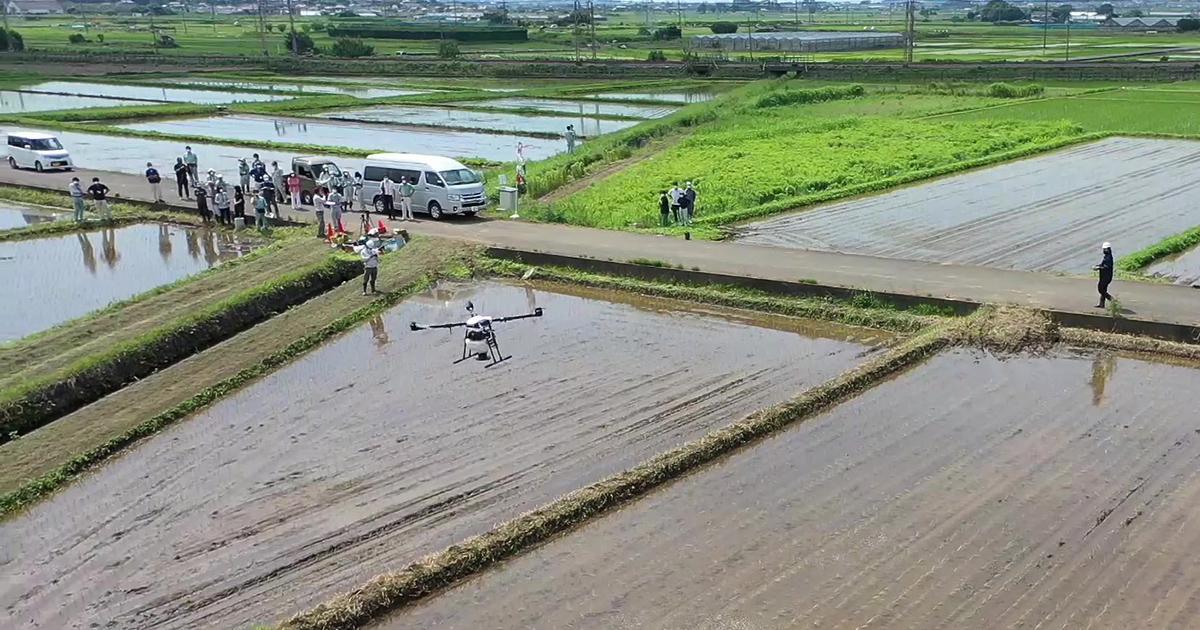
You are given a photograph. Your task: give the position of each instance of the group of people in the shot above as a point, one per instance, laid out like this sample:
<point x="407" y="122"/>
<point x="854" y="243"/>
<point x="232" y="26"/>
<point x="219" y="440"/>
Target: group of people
<point x="677" y="202"/>
<point x="98" y="191"/>
<point x="216" y="199"/>
<point x="387" y="197"/>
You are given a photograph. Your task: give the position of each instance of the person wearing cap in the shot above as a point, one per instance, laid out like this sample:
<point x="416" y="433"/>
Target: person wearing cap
<point x="244" y="173"/>
<point x="688" y="204"/>
<point x="1106" y="274"/>
<point x="369" y="251"/>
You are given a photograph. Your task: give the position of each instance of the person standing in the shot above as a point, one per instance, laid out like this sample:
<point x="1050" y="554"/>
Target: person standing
<point x="319" y="209"/>
<point x="76" y="190"/>
<point x="664" y="208"/>
<point x="675" y="194"/>
<point x="570" y="138"/>
<point x="260" y="209"/>
<point x="356" y="187"/>
<point x="222" y="202"/>
<point x="406" y="195"/>
<point x="369" y="251"/>
<point x="239" y="202"/>
<point x="387" y="190"/>
<point x="257" y="167"/>
<point x="334" y="202"/>
<point x="268" y="190"/>
<point x="192" y="163"/>
<point x="210" y="182"/>
<point x="244" y="173"/>
<point x="689" y="203"/>
<point x="1106" y="274"/>
<point x="182" y="175"/>
<point x="155" y="181"/>
<point x="277" y="180"/>
<point x="293" y="188"/>
<point x="99" y="193"/>
<point x="202" y="203"/>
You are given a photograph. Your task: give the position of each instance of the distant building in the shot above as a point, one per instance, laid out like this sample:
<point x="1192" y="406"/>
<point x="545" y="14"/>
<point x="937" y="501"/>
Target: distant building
<point x="1141" y="24"/>
<point x="34" y="7"/>
<point x="801" y="41"/>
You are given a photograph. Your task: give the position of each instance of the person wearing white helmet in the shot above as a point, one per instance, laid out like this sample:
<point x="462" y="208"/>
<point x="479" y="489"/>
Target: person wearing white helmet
<point x="1106" y="274"/>
<point x="369" y="251"/>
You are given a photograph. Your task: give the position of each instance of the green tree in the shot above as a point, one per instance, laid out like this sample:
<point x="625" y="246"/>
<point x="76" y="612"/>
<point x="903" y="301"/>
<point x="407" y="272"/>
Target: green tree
<point x="667" y="33"/>
<point x="448" y="49"/>
<point x="495" y="16"/>
<point x="656" y="55"/>
<point x="77" y="38"/>
<point x="1061" y="13"/>
<point x="302" y="41"/>
<point x="1106" y="9"/>
<point x="721" y="28"/>
<point x="1188" y="24"/>
<point x="281" y="28"/>
<point x="347" y="47"/>
<point x="1001" y="11"/>
<point x="306" y="27"/>
<point x="1135" y="13"/>
<point x="318" y="27"/>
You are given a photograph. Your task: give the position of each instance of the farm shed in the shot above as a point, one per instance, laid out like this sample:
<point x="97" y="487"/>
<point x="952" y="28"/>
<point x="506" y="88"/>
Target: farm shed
<point x="1140" y="24"/>
<point x="800" y="41"/>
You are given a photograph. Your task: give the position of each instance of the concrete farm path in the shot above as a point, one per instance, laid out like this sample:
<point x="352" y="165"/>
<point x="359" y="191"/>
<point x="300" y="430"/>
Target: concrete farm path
<point x="1144" y="301"/>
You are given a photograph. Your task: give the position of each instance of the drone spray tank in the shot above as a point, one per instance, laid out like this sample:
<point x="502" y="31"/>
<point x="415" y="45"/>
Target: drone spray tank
<point x="479" y="339"/>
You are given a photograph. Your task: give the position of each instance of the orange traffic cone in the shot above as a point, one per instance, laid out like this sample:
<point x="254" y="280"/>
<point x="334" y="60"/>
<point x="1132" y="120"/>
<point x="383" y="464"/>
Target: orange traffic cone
<point x="341" y="228"/>
<point x="382" y="228"/>
<point x="330" y="233"/>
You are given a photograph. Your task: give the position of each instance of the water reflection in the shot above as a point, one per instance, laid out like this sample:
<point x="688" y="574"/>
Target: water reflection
<point x="379" y="331"/>
<point x="282" y="126"/>
<point x="62" y="277"/>
<point x="1103" y="367"/>
<point x="16" y="217"/>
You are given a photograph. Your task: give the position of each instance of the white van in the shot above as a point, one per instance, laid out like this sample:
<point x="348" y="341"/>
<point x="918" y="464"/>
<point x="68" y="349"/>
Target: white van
<point x="442" y="185"/>
<point x="38" y="151"/>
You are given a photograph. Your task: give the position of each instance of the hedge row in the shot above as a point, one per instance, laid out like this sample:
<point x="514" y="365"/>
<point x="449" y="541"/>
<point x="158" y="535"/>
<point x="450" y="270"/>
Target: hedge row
<point x="457" y="34"/>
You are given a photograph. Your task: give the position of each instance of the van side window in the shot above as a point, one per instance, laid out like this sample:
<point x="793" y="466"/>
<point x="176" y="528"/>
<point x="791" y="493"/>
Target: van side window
<point x="303" y="171"/>
<point x="412" y="177"/>
<point x="14" y="141"/>
<point x="433" y="179"/>
<point x="374" y="173"/>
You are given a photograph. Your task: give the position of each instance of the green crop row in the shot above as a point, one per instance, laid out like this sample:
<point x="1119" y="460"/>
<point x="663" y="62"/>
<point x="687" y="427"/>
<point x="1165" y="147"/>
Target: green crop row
<point x="1174" y="244"/>
<point x="810" y="96"/>
<point x="771" y="157"/>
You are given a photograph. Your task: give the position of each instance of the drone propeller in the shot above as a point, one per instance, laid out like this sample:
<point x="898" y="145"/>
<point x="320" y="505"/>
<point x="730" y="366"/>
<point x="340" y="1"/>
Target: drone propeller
<point x="537" y="312"/>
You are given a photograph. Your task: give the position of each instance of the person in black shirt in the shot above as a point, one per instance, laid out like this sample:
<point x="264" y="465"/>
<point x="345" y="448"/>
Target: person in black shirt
<point x="1106" y="274"/>
<point x="239" y="202"/>
<point x="181" y="179"/>
<point x="202" y="203"/>
<point x="99" y="193"/>
<point x="664" y="208"/>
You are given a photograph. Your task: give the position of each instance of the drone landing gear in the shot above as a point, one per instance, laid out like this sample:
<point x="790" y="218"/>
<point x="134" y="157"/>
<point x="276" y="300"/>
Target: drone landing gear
<point x="492" y="353"/>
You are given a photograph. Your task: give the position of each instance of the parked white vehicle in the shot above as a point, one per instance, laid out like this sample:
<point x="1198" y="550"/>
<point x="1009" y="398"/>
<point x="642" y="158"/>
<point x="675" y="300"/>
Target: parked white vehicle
<point x="38" y="151"/>
<point x="442" y="186"/>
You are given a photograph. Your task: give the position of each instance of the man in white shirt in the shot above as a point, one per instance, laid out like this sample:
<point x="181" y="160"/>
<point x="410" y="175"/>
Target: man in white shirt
<point x="676" y="193"/>
<point x="387" y="192"/>
<point x="369" y="251"/>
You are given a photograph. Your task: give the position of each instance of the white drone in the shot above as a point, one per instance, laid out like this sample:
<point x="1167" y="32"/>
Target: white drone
<point x="480" y="338"/>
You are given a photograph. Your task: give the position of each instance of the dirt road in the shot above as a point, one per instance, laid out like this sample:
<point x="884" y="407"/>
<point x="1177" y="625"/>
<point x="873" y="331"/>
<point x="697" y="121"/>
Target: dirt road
<point x="967" y="493"/>
<point x="373" y="450"/>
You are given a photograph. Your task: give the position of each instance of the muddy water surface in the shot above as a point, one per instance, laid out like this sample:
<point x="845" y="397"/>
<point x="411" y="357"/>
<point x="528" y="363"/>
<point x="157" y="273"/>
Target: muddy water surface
<point x="1048" y="213"/>
<point x="451" y="117"/>
<point x="359" y="91"/>
<point x="578" y="107"/>
<point x="16" y="216"/>
<point x="12" y="102"/>
<point x="1053" y="492"/>
<point x="51" y="280"/>
<point x="375" y="449"/>
<point x="698" y="95"/>
<point x="1182" y="268"/>
<point x="146" y="92"/>
<point x="461" y="144"/>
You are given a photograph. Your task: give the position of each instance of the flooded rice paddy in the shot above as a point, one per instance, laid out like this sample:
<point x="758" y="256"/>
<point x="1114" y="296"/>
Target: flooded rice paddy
<point x="1047" y="492"/>
<point x="59" y="278"/>
<point x="581" y="108"/>
<point x="12" y="102"/>
<point x="698" y="95"/>
<point x="1048" y="213"/>
<point x="17" y="216"/>
<point x="365" y="136"/>
<point x="1181" y="268"/>
<point x="451" y="117"/>
<point x="146" y="92"/>
<point x="359" y="91"/>
<point x="374" y="450"/>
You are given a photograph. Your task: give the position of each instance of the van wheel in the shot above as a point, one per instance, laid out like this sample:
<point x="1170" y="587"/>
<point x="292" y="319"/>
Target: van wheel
<point x="12" y="162"/>
<point x="435" y="211"/>
<point x="37" y="166"/>
<point x="306" y="198"/>
<point x="378" y="203"/>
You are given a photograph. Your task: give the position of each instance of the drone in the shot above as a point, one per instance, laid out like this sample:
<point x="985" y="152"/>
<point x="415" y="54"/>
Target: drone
<point x="480" y="338"/>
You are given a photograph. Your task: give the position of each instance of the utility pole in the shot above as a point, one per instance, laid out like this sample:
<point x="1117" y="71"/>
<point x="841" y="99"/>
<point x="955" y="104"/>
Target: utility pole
<point x="1068" y="21"/>
<point x="910" y="26"/>
<point x="262" y="24"/>
<point x="1045" y="25"/>
<point x="575" y="35"/>
<point x="797" y="15"/>
<point x="213" y="12"/>
<point x="679" y="10"/>
<point x="592" y="24"/>
<point x="292" y="26"/>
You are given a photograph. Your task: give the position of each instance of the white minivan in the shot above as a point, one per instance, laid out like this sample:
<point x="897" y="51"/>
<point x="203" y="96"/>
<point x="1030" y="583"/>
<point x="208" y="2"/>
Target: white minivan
<point x="442" y="186"/>
<point x="38" y="151"/>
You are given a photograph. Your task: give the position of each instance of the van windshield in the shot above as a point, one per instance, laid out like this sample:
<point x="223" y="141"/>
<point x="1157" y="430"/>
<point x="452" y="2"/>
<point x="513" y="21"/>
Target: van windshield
<point x="43" y="144"/>
<point x="460" y="176"/>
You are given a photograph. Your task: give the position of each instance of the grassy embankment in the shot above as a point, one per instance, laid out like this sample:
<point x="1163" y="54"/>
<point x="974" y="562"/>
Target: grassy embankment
<point x="36" y="464"/>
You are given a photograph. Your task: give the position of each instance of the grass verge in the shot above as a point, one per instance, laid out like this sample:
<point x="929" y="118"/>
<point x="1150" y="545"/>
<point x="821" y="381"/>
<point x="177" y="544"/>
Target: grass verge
<point x="420" y="264"/>
<point x="439" y="570"/>
<point x="35" y="403"/>
<point x="865" y="312"/>
<point x="1175" y="244"/>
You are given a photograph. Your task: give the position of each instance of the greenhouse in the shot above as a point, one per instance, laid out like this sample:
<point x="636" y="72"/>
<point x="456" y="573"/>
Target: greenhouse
<point x="802" y="41"/>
